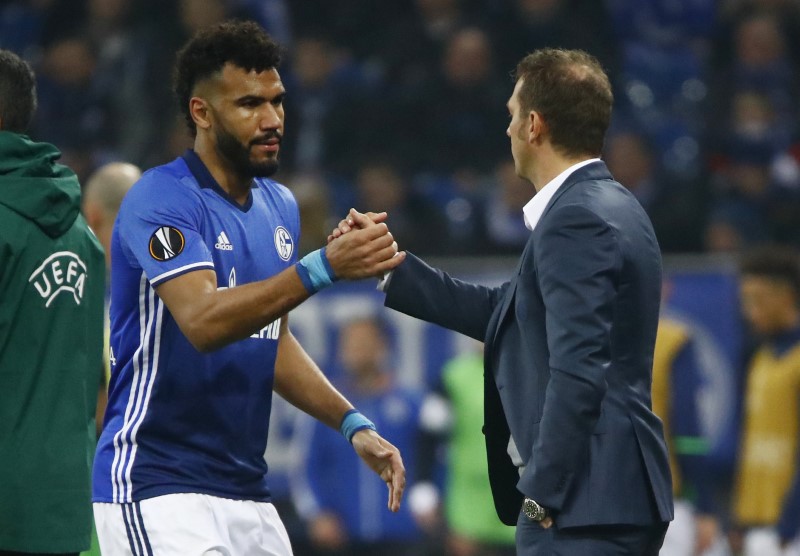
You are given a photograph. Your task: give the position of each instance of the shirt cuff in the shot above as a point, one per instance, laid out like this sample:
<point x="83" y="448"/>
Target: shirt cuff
<point x="383" y="283"/>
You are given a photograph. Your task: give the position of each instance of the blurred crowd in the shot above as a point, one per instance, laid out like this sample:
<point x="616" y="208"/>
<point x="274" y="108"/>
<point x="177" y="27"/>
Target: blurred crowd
<point x="400" y="105"/>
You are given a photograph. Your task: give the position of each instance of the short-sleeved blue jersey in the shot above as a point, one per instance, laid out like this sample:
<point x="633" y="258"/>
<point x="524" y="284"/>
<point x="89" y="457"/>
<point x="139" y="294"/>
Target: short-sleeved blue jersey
<point x="179" y="420"/>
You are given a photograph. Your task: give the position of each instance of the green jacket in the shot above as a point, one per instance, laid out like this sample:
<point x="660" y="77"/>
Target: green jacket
<point x="469" y="507"/>
<point x="52" y="275"/>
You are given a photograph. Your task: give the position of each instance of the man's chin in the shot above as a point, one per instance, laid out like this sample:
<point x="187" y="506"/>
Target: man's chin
<point x="265" y="169"/>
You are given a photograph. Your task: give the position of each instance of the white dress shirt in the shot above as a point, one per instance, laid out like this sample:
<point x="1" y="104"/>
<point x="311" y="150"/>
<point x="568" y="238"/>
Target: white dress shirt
<point x="534" y="209"/>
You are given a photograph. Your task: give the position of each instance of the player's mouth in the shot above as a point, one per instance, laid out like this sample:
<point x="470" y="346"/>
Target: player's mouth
<point x="269" y="144"/>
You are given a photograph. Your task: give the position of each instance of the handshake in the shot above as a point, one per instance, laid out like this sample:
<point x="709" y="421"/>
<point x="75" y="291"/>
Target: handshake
<point x="361" y="246"/>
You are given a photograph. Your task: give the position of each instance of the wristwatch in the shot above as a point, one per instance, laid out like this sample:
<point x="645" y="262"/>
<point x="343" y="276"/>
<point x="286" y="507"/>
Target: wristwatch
<point x="533" y="510"/>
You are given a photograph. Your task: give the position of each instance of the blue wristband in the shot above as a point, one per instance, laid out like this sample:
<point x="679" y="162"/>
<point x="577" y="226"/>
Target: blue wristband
<point x="315" y="271"/>
<point x="353" y="422"/>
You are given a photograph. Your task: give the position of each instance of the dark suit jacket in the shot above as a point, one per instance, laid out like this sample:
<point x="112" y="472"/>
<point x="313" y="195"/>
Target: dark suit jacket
<point x="568" y="357"/>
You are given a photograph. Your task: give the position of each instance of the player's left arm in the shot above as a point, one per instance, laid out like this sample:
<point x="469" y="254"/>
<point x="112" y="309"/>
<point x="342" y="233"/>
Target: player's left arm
<point x="299" y="381"/>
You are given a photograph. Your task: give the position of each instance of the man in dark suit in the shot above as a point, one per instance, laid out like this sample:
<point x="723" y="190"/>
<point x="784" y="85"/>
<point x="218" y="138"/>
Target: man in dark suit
<point x="577" y="459"/>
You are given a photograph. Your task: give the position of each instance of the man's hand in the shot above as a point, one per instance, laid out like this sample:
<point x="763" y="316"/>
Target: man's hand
<point x="385" y="460"/>
<point x="368" y="250"/>
<point x="347" y="223"/>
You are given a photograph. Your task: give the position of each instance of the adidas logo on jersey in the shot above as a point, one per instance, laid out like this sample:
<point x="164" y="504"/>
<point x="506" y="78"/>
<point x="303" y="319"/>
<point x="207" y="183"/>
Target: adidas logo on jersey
<point x="223" y="243"/>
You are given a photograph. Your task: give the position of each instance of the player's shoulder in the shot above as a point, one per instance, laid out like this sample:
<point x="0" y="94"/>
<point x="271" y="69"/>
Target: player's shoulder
<point x="163" y="184"/>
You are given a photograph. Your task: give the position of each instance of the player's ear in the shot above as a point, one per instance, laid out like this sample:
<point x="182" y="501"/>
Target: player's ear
<point x="198" y="109"/>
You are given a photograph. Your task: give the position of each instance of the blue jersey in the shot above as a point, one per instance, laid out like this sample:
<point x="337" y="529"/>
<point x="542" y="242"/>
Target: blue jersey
<point x="179" y="420"/>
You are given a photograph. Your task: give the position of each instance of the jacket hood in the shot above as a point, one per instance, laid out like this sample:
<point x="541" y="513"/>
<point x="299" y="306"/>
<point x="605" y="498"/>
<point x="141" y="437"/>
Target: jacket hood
<point x="33" y="185"/>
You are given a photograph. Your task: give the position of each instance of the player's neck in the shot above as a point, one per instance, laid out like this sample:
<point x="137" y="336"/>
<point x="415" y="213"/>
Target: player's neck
<point x="234" y="184"/>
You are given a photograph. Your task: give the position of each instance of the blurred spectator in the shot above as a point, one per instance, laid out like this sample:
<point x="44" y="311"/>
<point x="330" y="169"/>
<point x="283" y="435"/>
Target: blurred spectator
<point x="461" y="109"/>
<point x="415" y="224"/>
<point x="121" y="79"/>
<point x="346" y="513"/>
<point x="767" y="493"/>
<point x="675" y="206"/>
<point x="528" y="25"/>
<point x="664" y="24"/>
<point x="415" y="44"/>
<point x="272" y="15"/>
<point x="334" y="108"/>
<point x="355" y="26"/>
<point x="313" y="200"/>
<point x="100" y="203"/>
<point x="759" y="61"/>
<point x="472" y="525"/>
<point x="662" y="80"/>
<point x="70" y="113"/>
<point x="751" y="206"/>
<point x="505" y="231"/>
<point x="677" y="384"/>
<point x="22" y="26"/>
<point x="103" y="195"/>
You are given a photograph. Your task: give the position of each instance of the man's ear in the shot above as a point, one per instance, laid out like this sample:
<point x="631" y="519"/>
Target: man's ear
<point x="198" y="109"/>
<point x="536" y="127"/>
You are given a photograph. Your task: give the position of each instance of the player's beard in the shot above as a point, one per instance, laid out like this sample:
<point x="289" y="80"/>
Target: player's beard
<point x="239" y="155"/>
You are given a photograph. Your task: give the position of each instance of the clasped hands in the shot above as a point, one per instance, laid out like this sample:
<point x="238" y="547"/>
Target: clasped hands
<point x="361" y="246"/>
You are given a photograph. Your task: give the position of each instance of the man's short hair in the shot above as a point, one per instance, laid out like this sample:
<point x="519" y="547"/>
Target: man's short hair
<point x="572" y="93"/>
<point x="777" y="263"/>
<point x="241" y="43"/>
<point x="17" y="93"/>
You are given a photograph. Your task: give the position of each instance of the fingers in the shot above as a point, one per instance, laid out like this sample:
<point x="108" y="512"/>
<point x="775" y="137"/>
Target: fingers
<point x="362" y="253"/>
<point x="398" y="483"/>
<point x="358" y="219"/>
<point x="546" y="523"/>
<point x="394" y="476"/>
<point x="391" y="263"/>
<point x="377" y="217"/>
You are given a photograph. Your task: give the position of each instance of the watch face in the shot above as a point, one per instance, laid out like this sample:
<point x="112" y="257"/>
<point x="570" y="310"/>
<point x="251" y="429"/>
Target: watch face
<point x="532" y="510"/>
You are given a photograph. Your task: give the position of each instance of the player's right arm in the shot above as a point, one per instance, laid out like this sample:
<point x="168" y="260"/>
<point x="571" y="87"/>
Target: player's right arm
<point x="212" y="318"/>
<point x="165" y="240"/>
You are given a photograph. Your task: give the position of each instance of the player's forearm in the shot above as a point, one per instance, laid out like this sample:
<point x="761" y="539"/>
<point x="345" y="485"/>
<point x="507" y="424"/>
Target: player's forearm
<point x="212" y="318"/>
<point x="299" y="381"/>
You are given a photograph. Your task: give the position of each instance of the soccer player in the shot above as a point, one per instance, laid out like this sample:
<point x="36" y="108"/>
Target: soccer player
<point x="203" y="275"/>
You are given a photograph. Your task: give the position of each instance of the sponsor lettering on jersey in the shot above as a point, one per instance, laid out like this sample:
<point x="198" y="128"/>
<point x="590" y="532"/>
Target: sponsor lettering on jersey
<point x="223" y="243"/>
<point x="63" y="271"/>
<point x="269" y="332"/>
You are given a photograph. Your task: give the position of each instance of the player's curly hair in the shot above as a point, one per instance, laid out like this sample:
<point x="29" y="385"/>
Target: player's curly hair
<point x="241" y="43"/>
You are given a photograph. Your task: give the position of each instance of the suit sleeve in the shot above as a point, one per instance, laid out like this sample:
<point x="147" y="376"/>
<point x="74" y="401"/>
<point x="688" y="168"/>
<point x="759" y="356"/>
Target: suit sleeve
<point x="431" y="295"/>
<point x="578" y="263"/>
